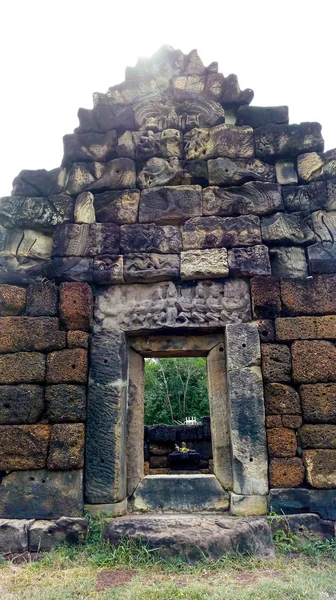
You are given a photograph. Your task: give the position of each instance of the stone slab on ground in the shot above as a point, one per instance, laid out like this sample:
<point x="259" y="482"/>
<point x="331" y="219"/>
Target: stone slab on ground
<point x="303" y="500"/>
<point x="179" y="493"/>
<point x="195" y="536"/>
<point x="14" y="535"/>
<point x="46" y="535"/>
<point x="306" y="527"/>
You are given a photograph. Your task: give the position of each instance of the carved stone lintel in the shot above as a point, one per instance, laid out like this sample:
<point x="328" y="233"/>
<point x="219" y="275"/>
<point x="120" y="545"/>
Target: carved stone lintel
<point x="165" y="305"/>
<point x="151" y="267"/>
<point x="224" y="171"/>
<point x="204" y="264"/>
<point x="223" y="140"/>
<point x="252" y="198"/>
<point x="221" y="232"/>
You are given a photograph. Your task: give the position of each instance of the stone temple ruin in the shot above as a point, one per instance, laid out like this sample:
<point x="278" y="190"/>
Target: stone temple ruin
<point x="182" y="222"/>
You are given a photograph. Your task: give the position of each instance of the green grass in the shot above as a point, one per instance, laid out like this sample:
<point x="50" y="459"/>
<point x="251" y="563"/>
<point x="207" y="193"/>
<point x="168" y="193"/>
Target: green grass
<point x="300" y="571"/>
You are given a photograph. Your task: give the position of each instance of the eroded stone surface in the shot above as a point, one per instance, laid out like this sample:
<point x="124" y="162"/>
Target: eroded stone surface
<point x="117" y="207"/>
<point x="23" y="446"/>
<point x="309" y="296"/>
<point x="281" y="399"/>
<point x="22" y="367"/>
<point x="219" y="232"/>
<point x="36" y="213"/>
<point x="225" y="171"/>
<point x="150" y="238"/>
<point x="151" y="267"/>
<point x="12" y="300"/>
<point x="276" y="363"/>
<point x="26" y="334"/>
<point x="286" y="472"/>
<point x="223" y="140"/>
<point x="319" y="402"/>
<point x="67" y="366"/>
<point x="321" y="468"/>
<point x="173" y="204"/>
<point x="284" y="228"/>
<point x="254" y="197"/>
<point x="314" y="361"/>
<point x="300" y="500"/>
<point x="44" y="536"/>
<point x="204" y="264"/>
<point x="86" y="239"/>
<point x="65" y="403"/>
<point x="108" y="268"/>
<point x="21" y="404"/>
<point x="289" y="261"/>
<point x="76" y="306"/>
<point x="287" y="140"/>
<point x="14" y="535"/>
<point x="66" y="450"/>
<point x="249" y="262"/>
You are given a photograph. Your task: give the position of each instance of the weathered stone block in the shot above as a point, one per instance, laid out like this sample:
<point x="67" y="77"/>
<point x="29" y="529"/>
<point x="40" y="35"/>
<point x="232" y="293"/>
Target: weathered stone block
<point x="67" y="366"/>
<point x="65" y="403"/>
<point x="281" y="442"/>
<point x="14" y="535"/>
<point x="315" y="296"/>
<point x="313" y="166"/>
<point x="222" y="140"/>
<point x="150" y="238"/>
<point x="86" y="240"/>
<point x="25" y="334"/>
<point x="161" y="172"/>
<point x="322" y="257"/>
<point x="39" y="182"/>
<point x="247" y="506"/>
<point x="301" y="500"/>
<point x="324" y="225"/>
<point x="21" y="404"/>
<point x="202" y="264"/>
<point x="284" y="228"/>
<point x="77" y="339"/>
<point x="291" y="421"/>
<point x="44" y="536"/>
<point x="224" y="171"/>
<point x="12" y="300"/>
<point x="266" y="300"/>
<point x="219" y="232"/>
<point x="36" y="213"/>
<point x="285" y="172"/>
<point x="151" y="267"/>
<point x="305" y="328"/>
<point x="103" y="118"/>
<point x="174" y="204"/>
<point x="286" y="472"/>
<point x="249" y="262"/>
<point x="108" y="268"/>
<point x="273" y="421"/>
<point x="319" y="402"/>
<point x="287" y="140"/>
<point x="305" y="198"/>
<point x="119" y="207"/>
<point x="84" y="208"/>
<point x="306" y="527"/>
<point x="276" y="363"/>
<point x="318" y="436"/>
<point x="161" y="433"/>
<point x="14" y="271"/>
<point x="266" y="330"/>
<point x="42" y="299"/>
<point x="23" y="447"/>
<point x="254" y="197"/>
<point x="281" y="399"/>
<point x="257" y="116"/>
<point x="89" y="147"/>
<point x="43" y="494"/>
<point x="22" y="367"/>
<point x="289" y="261"/>
<point x="321" y="468"/>
<point x="313" y="361"/>
<point x="161" y="448"/>
<point x="76" y="306"/>
<point x="71" y="268"/>
<point x="66" y="449"/>
<point x="117" y="174"/>
<point x="243" y="346"/>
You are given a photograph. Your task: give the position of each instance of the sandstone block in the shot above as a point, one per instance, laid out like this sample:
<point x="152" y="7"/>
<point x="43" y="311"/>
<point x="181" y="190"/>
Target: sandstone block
<point x="202" y="264"/>
<point x="44" y="536"/>
<point x="319" y="402"/>
<point x="42" y="299"/>
<point x="284" y="228"/>
<point x="287" y="140"/>
<point x="23" y="446"/>
<point x="25" y="334"/>
<point x="14" y="535"/>
<point x="151" y="267"/>
<point x="292" y="421"/>
<point x="243" y="346"/>
<point x="266" y="300"/>
<point x="310" y="166"/>
<point x="305" y="328"/>
<point x="40" y="182"/>
<point x="303" y="500"/>
<point x="84" y="208"/>
<point x="318" y="436"/>
<point x="43" y="494"/>
<point x="77" y="339"/>
<point x="306" y="527"/>
<point x="66" y="449"/>
<point x="71" y="268"/>
<point x="36" y="213"/>
<point x="119" y="207"/>
<point x="108" y="269"/>
<point x="254" y="197"/>
<point x="170" y="205"/>
<point x="222" y="140"/>
<point x="76" y="306"/>
<point x="276" y="363"/>
<point x="321" y="468"/>
<point x="219" y="232"/>
<point x="22" y="367"/>
<point x="286" y="472"/>
<point x="247" y="506"/>
<point x="67" y="366"/>
<point x="305" y="198"/>
<point x="150" y="238"/>
<point x="104" y="118"/>
<point x="117" y="174"/>
<point x="281" y="399"/>
<point x="281" y="442"/>
<point x="313" y="361"/>
<point x="324" y="225"/>
<point x="285" y="172"/>
<point x="21" y="404"/>
<point x="257" y="116"/>
<point x="12" y="300"/>
<point x="273" y="421"/>
<point x="89" y="147"/>
<point x="289" y="261"/>
<point x="161" y="172"/>
<point x="314" y="296"/>
<point x="249" y="262"/>
<point x="86" y="240"/>
<point x="322" y="257"/>
<point x="225" y="171"/>
<point x="66" y="403"/>
<point x="14" y="271"/>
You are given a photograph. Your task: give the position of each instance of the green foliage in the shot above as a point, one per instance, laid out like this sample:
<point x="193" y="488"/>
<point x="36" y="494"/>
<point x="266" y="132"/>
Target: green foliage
<point x="175" y="388"/>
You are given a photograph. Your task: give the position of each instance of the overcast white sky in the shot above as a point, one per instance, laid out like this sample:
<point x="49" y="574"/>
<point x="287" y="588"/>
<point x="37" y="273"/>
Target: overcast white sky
<point x="55" y="54"/>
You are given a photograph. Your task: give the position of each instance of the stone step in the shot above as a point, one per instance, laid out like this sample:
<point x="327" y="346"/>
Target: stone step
<point x="195" y="536"/>
<point x="179" y="493"/>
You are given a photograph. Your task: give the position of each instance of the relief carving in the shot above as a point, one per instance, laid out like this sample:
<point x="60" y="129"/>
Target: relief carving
<point x="182" y="113"/>
<point x="204" y="304"/>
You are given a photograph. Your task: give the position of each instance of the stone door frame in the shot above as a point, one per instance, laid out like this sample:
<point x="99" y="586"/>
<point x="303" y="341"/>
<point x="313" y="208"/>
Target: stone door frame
<point x="114" y="445"/>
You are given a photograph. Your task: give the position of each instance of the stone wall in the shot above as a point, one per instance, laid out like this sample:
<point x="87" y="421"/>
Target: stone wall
<point x="160" y="440"/>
